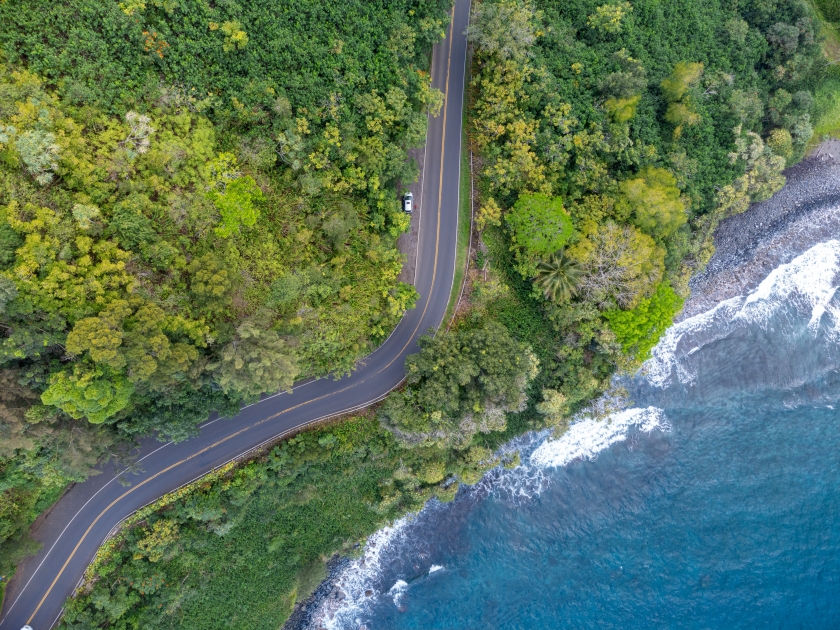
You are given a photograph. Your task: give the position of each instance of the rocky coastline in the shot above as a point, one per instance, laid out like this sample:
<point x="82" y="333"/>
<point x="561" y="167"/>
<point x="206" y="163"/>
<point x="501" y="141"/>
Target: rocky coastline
<point x="303" y="616"/>
<point x="747" y="247"/>
<point x="771" y="233"/>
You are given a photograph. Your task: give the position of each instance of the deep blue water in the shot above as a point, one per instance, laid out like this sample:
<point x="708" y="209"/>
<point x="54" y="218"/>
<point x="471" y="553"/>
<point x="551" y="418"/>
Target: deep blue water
<point x="726" y="515"/>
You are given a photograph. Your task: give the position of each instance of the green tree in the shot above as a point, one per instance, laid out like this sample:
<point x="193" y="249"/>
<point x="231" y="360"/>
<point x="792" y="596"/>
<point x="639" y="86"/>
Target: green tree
<point x="8" y="292"/>
<point x="626" y="83"/>
<point x="15" y="400"/>
<point x="256" y="361"/>
<point x="684" y="76"/>
<point x="652" y="202"/>
<point x="555" y="408"/>
<point x="158" y="539"/>
<point x="235" y="37"/>
<point x="608" y="17"/>
<point x="81" y="392"/>
<point x="539" y="226"/>
<point x="489" y="213"/>
<point x="461" y="382"/>
<point x="638" y="330"/>
<point x="737" y="30"/>
<point x="784" y="38"/>
<point x="747" y="106"/>
<point x="10" y="240"/>
<point x="236" y="205"/>
<point x="780" y="142"/>
<point x="557" y="277"/>
<point x="507" y="28"/>
<point x="621" y="265"/>
<point x="622" y="110"/>
<point x="210" y="281"/>
<point x="681" y="110"/>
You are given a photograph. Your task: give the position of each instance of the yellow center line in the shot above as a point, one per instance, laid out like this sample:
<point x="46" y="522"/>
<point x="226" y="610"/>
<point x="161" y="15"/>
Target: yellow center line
<point x="271" y="417"/>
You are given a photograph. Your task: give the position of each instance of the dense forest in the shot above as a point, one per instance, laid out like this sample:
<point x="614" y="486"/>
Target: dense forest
<point x="612" y="139"/>
<point x="200" y="206"/>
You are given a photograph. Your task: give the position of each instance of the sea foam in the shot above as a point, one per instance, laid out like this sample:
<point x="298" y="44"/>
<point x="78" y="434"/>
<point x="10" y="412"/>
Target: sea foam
<point x="357" y="585"/>
<point x="807" y="282"/>
<point x="589" y="436"/>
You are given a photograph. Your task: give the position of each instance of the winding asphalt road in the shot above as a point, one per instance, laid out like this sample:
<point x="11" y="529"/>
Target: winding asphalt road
<point x="73" y="530"/>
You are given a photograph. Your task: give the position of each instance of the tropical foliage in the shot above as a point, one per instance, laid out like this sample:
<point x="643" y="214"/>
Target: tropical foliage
<point x="197" y="205"/>
<point x="229" y="241"/>
<point x="638" y="329"/>
<point x="240" y="547"/>
<point x="652" y="121"/>
<point x="460" y="383"/>
<point x="558" y="277"/>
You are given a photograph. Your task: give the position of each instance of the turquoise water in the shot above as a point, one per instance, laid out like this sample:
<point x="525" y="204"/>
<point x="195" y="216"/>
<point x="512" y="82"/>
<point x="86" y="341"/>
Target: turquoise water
<point x="713" y="501"/>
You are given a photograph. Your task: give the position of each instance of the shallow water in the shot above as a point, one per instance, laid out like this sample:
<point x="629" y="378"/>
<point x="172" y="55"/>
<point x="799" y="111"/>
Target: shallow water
<point x="712" y="502"/>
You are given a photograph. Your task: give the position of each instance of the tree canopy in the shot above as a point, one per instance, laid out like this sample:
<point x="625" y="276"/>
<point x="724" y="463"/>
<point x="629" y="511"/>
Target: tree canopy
<point x="460" y="383"/>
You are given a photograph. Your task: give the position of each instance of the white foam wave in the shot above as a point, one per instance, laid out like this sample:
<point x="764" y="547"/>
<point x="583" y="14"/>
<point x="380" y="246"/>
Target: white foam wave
<point x="589" y="436"/>
<point x="516" y="486"/>
<point x="434" y="568"/>
<point x="808" y="282"/>
<point x="397" y="591"/>
<point x="357" y="582"/>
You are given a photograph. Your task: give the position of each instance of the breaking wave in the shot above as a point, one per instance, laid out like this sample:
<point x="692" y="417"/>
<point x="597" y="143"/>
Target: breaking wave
<point x="795" y="299"/>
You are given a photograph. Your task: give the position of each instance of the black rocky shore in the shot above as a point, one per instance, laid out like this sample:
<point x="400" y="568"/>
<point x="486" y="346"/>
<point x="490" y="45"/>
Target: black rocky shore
<point x="303" y="616"/>
<point x="771" y="233"/>
<point x="747" y="247"/>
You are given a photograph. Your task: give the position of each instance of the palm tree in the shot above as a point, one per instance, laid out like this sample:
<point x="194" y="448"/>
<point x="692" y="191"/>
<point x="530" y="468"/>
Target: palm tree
<point x="558" y="277"/>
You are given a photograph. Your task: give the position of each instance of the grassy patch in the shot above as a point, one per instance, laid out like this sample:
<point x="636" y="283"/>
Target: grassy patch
<point x="250" y="542"/>
<point x="239" y="547"/>
<point x="827" y="95"/>
<point x="464" y="224"/>
<point x="827" y="99"/>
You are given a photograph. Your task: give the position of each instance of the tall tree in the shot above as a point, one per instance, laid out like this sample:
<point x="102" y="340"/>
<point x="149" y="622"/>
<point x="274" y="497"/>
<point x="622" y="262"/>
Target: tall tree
<point x="461" y="382"/>
<point x="256" y="361"/>
<point x="557" y="277"/>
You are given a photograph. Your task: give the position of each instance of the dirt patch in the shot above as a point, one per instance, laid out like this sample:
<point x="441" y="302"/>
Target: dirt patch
<point x="407" y="243"/>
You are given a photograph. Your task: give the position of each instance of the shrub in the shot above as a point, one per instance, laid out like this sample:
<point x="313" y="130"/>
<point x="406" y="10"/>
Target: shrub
<point x="638" y="330"/>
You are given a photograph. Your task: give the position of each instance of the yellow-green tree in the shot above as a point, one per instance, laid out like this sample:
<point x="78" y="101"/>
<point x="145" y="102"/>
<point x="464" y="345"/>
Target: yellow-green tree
<point x="675" y="89"/>
<point x="621" y="265"/>
<point x="92" y="393"/>
<point x="652" y="202"/>
<point x="608" y="17"/>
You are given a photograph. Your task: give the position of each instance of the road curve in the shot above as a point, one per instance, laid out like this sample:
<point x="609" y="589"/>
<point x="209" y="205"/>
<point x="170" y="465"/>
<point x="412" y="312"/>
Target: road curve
<point x="73" y="530"/>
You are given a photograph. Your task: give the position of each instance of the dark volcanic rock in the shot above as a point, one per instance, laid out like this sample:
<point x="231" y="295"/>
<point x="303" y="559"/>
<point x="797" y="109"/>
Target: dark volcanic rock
<point x="771" y="233"/>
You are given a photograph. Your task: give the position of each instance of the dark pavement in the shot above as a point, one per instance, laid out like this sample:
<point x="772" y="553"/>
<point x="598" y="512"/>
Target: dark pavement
<point x="73" y="530"/>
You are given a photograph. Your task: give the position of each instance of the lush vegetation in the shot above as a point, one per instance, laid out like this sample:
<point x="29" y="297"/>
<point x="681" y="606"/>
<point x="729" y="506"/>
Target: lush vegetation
<point x="240" y="547"/>
<point x="198" y="204"/>
<point x="639" y="125"/>
<point x="460" y="383"/>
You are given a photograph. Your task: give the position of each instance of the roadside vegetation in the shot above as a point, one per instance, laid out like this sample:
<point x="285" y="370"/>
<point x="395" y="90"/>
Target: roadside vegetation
<point x="197" y="205"/>
<point x="251" y="235"/>
<point x="613" y="138"/>
<point x="240" y="547"/>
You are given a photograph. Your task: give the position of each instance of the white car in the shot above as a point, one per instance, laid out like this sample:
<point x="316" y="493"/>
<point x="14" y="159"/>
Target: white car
<point x="408" y="202"/>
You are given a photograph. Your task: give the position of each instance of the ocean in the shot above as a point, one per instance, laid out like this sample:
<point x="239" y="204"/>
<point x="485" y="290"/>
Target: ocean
<point x="711" y="500"/>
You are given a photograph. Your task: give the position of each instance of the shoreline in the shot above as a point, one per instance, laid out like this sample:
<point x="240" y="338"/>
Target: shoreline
<point x="748" y="246"/>
<point x="303" y="615"/>
<point x="770" y="233"/>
